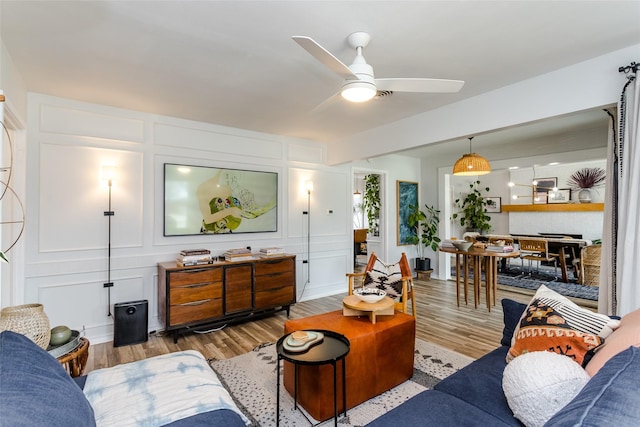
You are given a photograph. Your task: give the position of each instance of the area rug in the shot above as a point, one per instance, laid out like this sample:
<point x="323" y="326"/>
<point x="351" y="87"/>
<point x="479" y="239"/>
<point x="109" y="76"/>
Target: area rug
<point x="251" y="380"/>
<point x="512" y="276"/>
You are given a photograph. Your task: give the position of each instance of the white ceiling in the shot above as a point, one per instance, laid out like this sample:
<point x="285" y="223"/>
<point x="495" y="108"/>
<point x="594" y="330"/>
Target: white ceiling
<point x="234" y="63"/>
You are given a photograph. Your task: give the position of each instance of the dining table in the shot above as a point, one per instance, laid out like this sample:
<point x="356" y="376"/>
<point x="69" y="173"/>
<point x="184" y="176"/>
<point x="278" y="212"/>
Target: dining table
<point x="567" y="248"/>
<point x="478" y="257"/>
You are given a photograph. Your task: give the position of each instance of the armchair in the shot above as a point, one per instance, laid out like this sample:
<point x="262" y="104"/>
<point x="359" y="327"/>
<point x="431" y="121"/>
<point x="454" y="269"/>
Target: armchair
<point x="396" y="279"/>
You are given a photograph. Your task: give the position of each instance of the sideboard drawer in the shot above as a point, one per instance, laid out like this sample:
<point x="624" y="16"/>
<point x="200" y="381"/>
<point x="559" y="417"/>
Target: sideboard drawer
<point x="275" y="297"/>
<point x="196" y="292"/>
<point x="190" y="277"/>
<point x="276" y="280"/>
<point x="274" y="266"/>
<point x="195" y="311"/>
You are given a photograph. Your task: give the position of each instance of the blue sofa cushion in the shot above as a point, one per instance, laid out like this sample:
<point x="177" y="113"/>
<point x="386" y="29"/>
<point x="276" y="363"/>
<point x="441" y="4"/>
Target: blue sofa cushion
<point x="35" y="390"/>
<point x="610" y="398"/>
<point x="512" y="311"/>
<point x="437" y="409"/>
<point x="480" y="385"/>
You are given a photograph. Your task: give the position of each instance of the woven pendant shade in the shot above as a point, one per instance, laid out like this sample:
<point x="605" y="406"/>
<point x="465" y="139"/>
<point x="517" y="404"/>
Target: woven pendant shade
<point x="471" y="164"/>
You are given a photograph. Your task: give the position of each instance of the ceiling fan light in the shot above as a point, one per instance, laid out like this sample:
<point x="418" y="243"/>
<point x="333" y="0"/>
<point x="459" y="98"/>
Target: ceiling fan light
<point x="358" y="91"/>
<point x="471" y="164"/>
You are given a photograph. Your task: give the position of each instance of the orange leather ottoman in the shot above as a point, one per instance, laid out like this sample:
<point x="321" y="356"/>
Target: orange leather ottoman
<point x="381" y="357"/>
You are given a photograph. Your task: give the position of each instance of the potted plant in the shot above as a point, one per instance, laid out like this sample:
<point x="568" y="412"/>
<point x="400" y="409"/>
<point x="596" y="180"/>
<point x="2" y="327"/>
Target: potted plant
<point x="425" y="224"/>
<point x="585" y="179"/>
<point x="371" y="202"/>
<point x="472" y="209"/>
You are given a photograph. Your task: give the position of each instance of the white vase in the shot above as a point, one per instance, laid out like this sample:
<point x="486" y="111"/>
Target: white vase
<point x="584" y="195"/>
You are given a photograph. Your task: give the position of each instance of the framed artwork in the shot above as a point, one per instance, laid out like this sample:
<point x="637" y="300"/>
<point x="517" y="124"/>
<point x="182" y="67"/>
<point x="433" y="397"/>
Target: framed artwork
<point x="540" y="198"/>
<point x="406" y="196"/>
<point x="209" y="200"/>
<point x="494" y="204"/>
<point x="546" y="184"/>
<point x="563" y="195"/>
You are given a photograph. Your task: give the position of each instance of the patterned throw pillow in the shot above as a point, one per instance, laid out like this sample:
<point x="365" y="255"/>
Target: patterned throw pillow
<point x="554" y="323"/>
<point x="385" y="277"/>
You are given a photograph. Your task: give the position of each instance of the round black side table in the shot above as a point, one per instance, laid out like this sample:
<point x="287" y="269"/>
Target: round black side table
<point x="333" y="348"/>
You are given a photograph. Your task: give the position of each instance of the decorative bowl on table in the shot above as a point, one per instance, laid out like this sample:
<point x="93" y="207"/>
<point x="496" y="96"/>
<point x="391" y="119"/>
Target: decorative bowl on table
<point x="462" y="245"/>
<point x="60" y="335"/>
<point x="369" y="295"/>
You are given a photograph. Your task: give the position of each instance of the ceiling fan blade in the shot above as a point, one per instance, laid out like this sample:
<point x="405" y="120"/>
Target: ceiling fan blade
<point x="324" y="56"/>
<point x="327" y="103"/>
<point x="419" y="85"/>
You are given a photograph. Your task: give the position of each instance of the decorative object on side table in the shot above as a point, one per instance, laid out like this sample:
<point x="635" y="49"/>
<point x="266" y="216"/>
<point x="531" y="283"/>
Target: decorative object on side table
<point x="29" y="320"/>
<point x="462" y="245"/>
<point x="584" y="180"/>
<point x="60" y="335"/>
<point x="369" y="295"/>
<point x="59" y="350"/>
<point x="300" y="341"/>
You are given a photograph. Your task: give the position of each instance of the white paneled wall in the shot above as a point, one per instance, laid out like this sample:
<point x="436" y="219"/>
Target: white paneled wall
<point x="66" y="236"/>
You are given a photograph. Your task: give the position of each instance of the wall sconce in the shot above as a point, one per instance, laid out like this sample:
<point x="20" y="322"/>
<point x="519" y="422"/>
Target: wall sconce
<point x="108" y="175"/>
<point x="308" y="186"/>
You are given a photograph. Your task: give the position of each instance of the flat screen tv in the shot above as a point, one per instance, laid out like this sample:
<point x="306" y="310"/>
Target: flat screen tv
<point x="209" y="200"/>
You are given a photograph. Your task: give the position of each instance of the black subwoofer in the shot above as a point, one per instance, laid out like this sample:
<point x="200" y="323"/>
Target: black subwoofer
<point x="130" y="322"/>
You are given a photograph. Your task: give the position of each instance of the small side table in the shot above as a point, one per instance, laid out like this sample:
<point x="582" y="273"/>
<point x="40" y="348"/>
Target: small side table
<point x="333" y="348"/>
<point x="75" y="361"/>
<point x="354" y="306"/>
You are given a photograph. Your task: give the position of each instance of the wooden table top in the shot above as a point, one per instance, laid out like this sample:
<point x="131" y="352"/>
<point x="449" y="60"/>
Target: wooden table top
<point x="474" y="251"/>
<point x="355" y="303"/>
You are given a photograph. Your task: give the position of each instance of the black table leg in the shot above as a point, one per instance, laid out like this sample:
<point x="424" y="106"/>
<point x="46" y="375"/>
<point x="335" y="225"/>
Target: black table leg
<point x="344" y="387"/>
<point x="295" y="386"/>
<point x="278" y="392"/>
<point x="335" y="396"/>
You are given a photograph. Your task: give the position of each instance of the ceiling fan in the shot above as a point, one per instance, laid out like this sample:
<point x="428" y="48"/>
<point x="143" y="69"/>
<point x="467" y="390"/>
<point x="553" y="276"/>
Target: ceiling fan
<point x="359" y="82"/>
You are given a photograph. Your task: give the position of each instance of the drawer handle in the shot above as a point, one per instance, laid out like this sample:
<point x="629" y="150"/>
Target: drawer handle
<point x="194" y="302"/>
<point x="195" y="285"/>
<point x="196" y="271"/>
<point x="273" y="274"/>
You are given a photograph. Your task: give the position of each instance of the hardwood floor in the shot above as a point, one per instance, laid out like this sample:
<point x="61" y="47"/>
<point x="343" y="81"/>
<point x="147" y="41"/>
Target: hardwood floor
<point x="464" y="329"/>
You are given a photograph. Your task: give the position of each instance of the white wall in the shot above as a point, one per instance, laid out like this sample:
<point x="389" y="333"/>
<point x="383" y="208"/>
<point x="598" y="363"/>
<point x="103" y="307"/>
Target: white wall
<point x="66" y="237"/>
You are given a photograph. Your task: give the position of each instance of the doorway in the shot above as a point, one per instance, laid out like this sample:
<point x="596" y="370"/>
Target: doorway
<point x="368" y="216"/>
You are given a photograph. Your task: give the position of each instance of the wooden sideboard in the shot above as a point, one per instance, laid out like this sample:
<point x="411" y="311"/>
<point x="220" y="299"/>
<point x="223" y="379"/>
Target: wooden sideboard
<point x="224" y="292"/>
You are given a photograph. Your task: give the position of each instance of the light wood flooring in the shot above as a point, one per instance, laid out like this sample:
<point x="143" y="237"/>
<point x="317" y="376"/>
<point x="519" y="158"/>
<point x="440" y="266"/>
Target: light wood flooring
<point x="464" y="329"/>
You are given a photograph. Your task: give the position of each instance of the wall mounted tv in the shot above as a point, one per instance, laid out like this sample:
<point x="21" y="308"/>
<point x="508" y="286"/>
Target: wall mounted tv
<point x="208" y="200"/>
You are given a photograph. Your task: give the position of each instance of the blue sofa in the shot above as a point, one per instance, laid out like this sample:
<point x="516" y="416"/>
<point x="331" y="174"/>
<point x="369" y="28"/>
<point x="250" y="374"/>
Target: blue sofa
<point x="473" y="396"/>
<point x="35" y="390"/>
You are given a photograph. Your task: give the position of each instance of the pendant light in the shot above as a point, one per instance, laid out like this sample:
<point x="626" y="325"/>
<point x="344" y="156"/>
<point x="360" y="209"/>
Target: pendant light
<point x="471" y="164"/>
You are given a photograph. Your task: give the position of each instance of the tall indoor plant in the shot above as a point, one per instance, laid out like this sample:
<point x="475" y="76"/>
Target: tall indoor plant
<point x="425" y="225"/>
<point x="371" y="202"/>
<point x="472" y="209"/>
